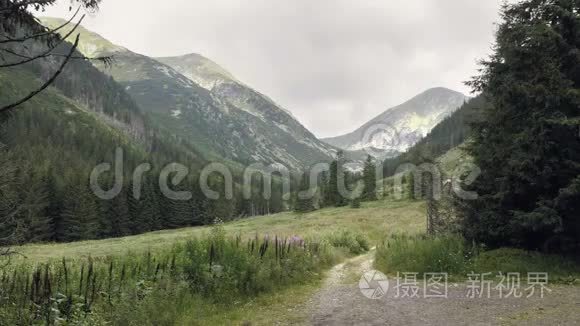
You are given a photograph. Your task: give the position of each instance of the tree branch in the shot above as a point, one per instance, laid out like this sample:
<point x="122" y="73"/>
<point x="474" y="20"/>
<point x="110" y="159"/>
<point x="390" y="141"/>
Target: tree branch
<point x="44" y="54"/>
<point x="19" y="4"/>
<point x="46" y="33"/>
<point x="47" y="83"/>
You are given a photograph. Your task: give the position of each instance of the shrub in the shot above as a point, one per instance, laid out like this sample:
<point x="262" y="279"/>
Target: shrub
<point x="356" y="244"/>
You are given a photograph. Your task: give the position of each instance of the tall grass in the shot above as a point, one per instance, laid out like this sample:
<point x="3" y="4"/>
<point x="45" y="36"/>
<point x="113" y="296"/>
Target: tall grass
<point x="424" y="254"/>
<point x="452" y="255"/>
<point x="158" y="289"/>
<point x="231" y="269"/>
<point x="560" y="269"/>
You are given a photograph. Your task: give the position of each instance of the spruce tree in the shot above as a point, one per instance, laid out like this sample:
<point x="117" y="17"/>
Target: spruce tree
<point x="370" y="180"/>
<point x="304" y="205"/>
<point x="337" y="175"/>
<point x="411" y="185"/>
<point x="54" y="209"/>
<point x="355" y="202"/>
<point x="79" y="213"/>
<point x="527" y="145"/>
<point x="34" y="211"/>
<point x="8" y="198"/>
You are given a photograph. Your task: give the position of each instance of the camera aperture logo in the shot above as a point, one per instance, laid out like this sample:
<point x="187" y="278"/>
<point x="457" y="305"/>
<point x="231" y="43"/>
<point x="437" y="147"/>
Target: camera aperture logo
<point x="374" y="285"/>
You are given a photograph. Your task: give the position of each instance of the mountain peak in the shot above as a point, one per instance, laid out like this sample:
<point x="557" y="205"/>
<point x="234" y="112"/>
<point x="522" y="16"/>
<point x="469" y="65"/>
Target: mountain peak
<point x="91" y="44"/>
<point x="440" y="90"/>
<point x="408" y="122"/>
<point x="199" y="69"/>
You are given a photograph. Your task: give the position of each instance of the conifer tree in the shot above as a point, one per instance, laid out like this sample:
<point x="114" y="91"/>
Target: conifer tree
<point x="355" y="202"/>
<point x="34" y="211"/>
<point x="304" y="205"/>
<point x="411" y="185"/>
<point x="527" y="145"/>
<point x="79" y="213"/>
<point x="8" y="199"/>
<point x="370" y="180"/>
<point x="337" y="175"/>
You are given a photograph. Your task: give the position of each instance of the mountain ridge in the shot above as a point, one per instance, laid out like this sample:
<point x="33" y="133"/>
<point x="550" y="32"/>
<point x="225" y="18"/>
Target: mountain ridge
<point x="398" y="128"/>
<point x="223" y="117"/>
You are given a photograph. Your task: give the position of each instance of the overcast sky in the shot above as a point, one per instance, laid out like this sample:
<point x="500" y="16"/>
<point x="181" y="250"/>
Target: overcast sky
<point x="334" y="64"/>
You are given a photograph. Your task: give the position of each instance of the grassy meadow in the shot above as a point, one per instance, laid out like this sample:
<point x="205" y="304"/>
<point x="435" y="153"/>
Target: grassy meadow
<point x="374" y="219"/>
<point x="258" y="269"/>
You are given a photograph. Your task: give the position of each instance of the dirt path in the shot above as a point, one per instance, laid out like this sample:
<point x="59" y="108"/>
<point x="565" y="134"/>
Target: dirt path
<point x="340" y="302"/>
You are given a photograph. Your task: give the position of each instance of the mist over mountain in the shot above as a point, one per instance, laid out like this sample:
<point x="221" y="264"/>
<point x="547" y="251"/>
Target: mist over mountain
<point x="398" y="128"/>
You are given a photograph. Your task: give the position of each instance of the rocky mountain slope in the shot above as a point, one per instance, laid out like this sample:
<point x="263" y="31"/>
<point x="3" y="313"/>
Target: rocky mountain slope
<point x="200" y="102"/>
<point x="397" y="129"/>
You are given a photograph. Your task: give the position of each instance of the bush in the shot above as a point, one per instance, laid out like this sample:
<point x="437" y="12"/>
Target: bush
<point x="356" y="244"/>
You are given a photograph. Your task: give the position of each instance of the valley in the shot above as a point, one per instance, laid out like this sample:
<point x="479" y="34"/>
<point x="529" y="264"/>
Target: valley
<point x="143" y="183"/>
<point x="332" y="297"/>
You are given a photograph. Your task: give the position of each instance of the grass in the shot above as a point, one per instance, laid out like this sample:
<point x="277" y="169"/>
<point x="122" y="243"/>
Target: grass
<point x="560" y="269"/>
<point x="422" y="254"/>
<point x="450" y="254"/>
<point x="374" y="219"/>
<point x="169" y="277"/>
<point x="284" y="307"/>
<point x="208" y="277"/>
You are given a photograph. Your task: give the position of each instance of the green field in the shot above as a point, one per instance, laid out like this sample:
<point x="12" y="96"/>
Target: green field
<point x="374" y="219"/>
<point x="176" y="295"/>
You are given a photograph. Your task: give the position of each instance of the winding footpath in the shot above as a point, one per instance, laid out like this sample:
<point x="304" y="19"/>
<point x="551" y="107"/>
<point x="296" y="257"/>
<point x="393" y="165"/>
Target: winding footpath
<point x="340" y="302"/>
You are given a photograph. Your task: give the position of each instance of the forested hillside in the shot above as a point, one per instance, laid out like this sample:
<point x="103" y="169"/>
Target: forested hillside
<point x="51" y="144"/>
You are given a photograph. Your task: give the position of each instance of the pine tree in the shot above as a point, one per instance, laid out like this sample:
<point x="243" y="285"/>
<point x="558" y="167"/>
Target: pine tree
<point x="8" y="199"/>
<point x="303" y="205"/>
<point x="54" y="209"/>
<point x="79" y="213"/>
<point x="337" y="176"/>
<point x="34" y="211"/>
<point x="355" y="202"/>
<point x="527" y="145"/>
<point x="411" y="185"/>
<point x="323" y="190"/>
<point x="181" y="211"/>
<point x="370" y="180"/>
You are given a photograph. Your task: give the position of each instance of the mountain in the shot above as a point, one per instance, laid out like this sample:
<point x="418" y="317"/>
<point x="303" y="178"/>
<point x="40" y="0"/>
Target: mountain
<point x="397" y="129"/>
<point x="50" y="144"/>
<point x="446" y="136"/>
<point x="202" y="103"/>
<point x="234" y="93"/>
